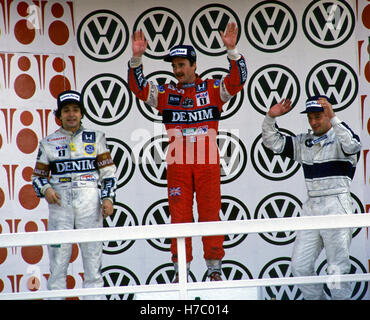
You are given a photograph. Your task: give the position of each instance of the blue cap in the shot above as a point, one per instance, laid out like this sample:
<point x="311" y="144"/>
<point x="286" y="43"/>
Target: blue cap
<point x="312" y="104"/>
<point x="181" y="51"/>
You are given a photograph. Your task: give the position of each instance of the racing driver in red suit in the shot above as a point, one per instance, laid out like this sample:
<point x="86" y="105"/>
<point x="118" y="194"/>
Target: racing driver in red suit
<point x="190" y="111"/>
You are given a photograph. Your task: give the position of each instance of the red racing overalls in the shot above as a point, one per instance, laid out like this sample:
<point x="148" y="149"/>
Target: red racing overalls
<point x="191" y="113"/>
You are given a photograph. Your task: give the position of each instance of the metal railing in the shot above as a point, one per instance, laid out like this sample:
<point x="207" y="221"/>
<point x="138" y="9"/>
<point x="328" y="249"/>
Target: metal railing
<point x="181" y="231"/>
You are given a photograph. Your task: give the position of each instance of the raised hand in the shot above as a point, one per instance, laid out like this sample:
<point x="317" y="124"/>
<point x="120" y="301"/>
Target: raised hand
<point x="280" y="108"/>
<point x="230" y="36"/>
<point x="139" y="43"/>
<point x="328" y="108"/>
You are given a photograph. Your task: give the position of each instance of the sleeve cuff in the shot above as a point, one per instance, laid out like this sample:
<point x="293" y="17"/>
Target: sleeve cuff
<point x="44" y="188"/>
<point x="269" y="119"/>
<point x="135" y="62"/>
<point x="233" y="54"/>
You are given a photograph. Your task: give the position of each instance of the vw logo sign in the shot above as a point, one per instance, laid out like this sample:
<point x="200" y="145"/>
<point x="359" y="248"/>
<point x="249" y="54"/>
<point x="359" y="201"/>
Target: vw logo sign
<point x="107" y="99"/>
<point x="152" y="160"/>
<point x="270" y="26"/>
<point x="102" y="35"/>
<point x="270" y="84"/>
<point x="335" y="79"/>
<point x="122" y="216"/>
<point x="328" y="24"/>
<point x="233" y="156"/>
<point x="232" y="209"/>
<point x="123" y="159"/>
<point x="158" y="213"/>
<point x="279" y="268"/>
<point x="163" y="28"/>
<point x="278" y="205"/>
<point x="205" y="25"/>
<point x="270" y="165"/>
<point x="359" y="289"/>
<point x="117" y="276"/>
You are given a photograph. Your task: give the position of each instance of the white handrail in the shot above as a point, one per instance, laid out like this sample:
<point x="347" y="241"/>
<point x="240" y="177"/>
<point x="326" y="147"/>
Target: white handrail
<point x="184" y="230"/>
<point x="180" y="231"/>
<point x="177" y="287"/>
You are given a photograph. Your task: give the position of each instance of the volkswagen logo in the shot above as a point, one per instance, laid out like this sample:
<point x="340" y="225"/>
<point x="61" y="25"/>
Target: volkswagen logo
<point x="117" y="276"/>
<point x="270" y="26"/>
<point x="205" y="25"/>
<point x="102" y="35"/>
<point x="279" y="268"/>
<point x="158" y="213"/>
<point x="152" y="160"/>
<point x="328" y="24"/>
<point x="107" y="99"/>
<point x="232" y="209"/>
<point x="270" y="84"/>
<point x="278" y="205"/>
<point x="163" y="28"/>
<point x="122" y="216"/>
<point x="359" y="289"/>
<point x="123" y="159"/>
<point x="233" y="156"/>
<point x="270" y="165"/>
<point x="335" y="79"/>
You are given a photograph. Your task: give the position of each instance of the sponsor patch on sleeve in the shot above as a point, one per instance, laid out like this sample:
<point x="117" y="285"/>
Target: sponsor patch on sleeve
<point x="104" y="160"/>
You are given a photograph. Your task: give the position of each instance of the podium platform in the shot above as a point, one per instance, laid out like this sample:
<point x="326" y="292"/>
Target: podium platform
<point x="249" y="293"/>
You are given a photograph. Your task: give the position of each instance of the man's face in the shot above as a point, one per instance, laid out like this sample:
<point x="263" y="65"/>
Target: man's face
<point x="70" y="117"/>
<point x="319" y="122"/>
<point x="183" y="71"/>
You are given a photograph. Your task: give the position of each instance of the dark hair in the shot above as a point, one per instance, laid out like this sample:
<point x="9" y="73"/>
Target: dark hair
<point x="58" y="111"/>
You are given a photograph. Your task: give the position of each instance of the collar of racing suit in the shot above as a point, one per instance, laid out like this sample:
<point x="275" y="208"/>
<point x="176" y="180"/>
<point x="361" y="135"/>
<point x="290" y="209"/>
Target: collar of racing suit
<point x="322" y="139"/>
<point x="70" y="133"/>
<point x="197" y="81"/>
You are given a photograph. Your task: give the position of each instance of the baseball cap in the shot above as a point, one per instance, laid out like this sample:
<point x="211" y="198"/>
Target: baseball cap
<point x="181" y="51"/>
<point x="69" y="96"/>
<point x="312" y="104"/>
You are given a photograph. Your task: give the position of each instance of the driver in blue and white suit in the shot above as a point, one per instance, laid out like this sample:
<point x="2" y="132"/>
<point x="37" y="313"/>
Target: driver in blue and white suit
<point x="75" y="173"/>
<point x="329" y="155"/>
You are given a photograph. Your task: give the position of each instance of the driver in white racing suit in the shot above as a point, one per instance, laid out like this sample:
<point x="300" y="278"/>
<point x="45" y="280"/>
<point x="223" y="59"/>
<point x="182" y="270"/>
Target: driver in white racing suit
<point x="328" y="154"/>
<point x="76" y="174"/>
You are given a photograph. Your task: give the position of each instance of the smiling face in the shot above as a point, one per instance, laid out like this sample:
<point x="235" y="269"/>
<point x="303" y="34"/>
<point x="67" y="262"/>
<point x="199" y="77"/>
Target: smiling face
<point x="319" y="122"/>
<point x="183" y="70"/>
<point x="70" y="117"/>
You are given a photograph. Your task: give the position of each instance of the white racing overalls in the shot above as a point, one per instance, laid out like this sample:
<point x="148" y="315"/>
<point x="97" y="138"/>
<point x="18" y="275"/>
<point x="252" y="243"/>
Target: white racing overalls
<point x="80" y="168"/>
<point x="329" y="164"/>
